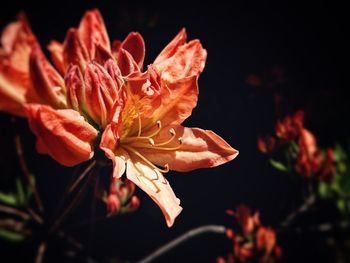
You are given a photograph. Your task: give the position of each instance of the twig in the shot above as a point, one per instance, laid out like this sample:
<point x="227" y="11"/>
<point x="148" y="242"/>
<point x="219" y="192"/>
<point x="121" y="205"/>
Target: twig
<point x="40" y="253"/>
<point x="73" y="184"/>
<point x="35" y="216"/>
<point x="14" y="211"/>
<point x="181" y="239"/>
<point x="325" y="227"/>
<point x="71" y="240"/>
<point x="302" y="209"/>
<point x="70" y="207"/>
<point x="26" y="172"/>
<point x="82" y="176"/>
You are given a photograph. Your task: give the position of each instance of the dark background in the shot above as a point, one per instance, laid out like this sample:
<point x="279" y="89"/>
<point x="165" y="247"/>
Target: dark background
<point x="297" y="50"/>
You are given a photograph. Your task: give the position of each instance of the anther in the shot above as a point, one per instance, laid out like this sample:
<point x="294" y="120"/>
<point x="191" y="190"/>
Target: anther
<point x="151" y="141"/>
<point x="172" y="132"/>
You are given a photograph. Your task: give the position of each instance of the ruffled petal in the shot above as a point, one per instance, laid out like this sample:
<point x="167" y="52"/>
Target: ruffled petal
<point x="109" y="143"/>
<point x="56" y="50"/>
<point x="101" y="93"/>
<point x="156" y="186"/>
<point x="74" y="51"/>
<point x="171" y="48"/>
<point x="177" y="101"/>
<point x="199" y="149"/>
<point x="62" y="134"/>
<point x="179" y="60"/>
<point x="135" y="45"/>
<point x="47" y="81"/>
<point x="17" y="42"/>
<point x="126" y="63"/>
<point x="92" y="32"/>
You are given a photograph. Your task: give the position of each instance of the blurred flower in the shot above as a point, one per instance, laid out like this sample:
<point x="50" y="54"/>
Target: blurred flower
<point x="309" y="158"/>
<point x="266" y="242"/>
<point x="266" y="144"/>
<point x="328" y="169"/>
<point x="290" y="127"/>
<point x="252" y="242"/>
<point x="97" y="93"/>
<point x="246" y="220"/>
<point x="120" y="198"/>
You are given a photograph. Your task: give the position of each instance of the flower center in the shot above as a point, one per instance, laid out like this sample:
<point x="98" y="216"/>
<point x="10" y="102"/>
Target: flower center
<point x="133" y="144"/>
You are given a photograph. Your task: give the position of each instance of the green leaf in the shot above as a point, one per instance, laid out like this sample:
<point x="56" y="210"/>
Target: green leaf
<point x="324" y="190"/>
<point x="341" y="204"/>
<point x="278" y="165"/>
<point x="20" y="192"/>
<point x="11" y="236"/>
<point x="8" y="198"/>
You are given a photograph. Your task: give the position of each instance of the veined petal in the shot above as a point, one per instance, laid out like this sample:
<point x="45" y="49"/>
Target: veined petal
<point x="109" y="143"/>
<point x="75" y="85"/>
<point x="17" y="41"/>
<point x="177" y="101"/>
<point x="171" y="48"/>
<point x="62" y="134"/>
<point x="74" y="51"/>
<point x="188" y="60"/>
<point x="92" y="32"/>
<point x="199" y="149"/>
<point x="47" y="81"/>
<point x="101" y="93"/>
<point x="135" y="45"/>
<point x="56" y="50"/>
<point x="126" y="63"/>
<point x="156" y="186"/>
<point x="13" y="89"/>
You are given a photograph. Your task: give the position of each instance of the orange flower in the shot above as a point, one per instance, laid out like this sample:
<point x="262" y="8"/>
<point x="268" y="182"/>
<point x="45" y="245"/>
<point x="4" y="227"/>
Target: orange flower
<point x="247" y="221"/>
<point x="289" y="128"/>
<point x="96" y="87"/>
<point x="17" y="42"/>
<point x="265" y="239"/>
<point x="309" y="158"/>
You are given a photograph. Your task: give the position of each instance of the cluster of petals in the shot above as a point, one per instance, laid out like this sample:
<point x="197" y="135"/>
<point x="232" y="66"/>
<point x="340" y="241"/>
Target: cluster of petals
<point x="310" y="160"/>
<point x="95" y="95"/>
<point x="253" y="242"/>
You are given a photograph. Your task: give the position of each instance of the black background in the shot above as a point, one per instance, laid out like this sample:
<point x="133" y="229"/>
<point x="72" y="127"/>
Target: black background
<point x="306" y="41"/>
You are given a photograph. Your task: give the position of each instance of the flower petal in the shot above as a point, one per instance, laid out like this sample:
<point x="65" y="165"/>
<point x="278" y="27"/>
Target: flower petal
<point x="15" y="87"/>
<point x="179" y="60"/>
<point x="199" y="149"/>
<point x="156" y="186"/>
<point x="101" y="93"/>
<point x="92" y="32"/>
<point x="63" y="134"/>
<point x="126" y="63"/>
<point x="171" y="48"/>
<point x="56" y="50"/>
<point x="109" y="143"/>
<point x="74" y="51"/>
<point x="47" y="81"/>
<point x="177" y="101"/>
<point x="135" y="45"/>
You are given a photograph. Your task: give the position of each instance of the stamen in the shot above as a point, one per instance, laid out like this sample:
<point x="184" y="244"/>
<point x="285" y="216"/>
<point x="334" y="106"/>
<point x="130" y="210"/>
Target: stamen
<point x="172" y="134"/>
<point x="137" y="153"/>
<point x="139" y="121"/>
<point x="131" y="139"/>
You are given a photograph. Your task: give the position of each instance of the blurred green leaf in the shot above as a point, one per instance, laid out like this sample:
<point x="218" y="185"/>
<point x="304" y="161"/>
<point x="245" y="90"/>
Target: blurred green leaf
<point x="324" y="190"/>
<point x="20" y="192"/>
<point x="278" y="165"/>
<point x="341" y="204"/>
<point x="8" y="198"/>
<point x="11" y="236"/>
